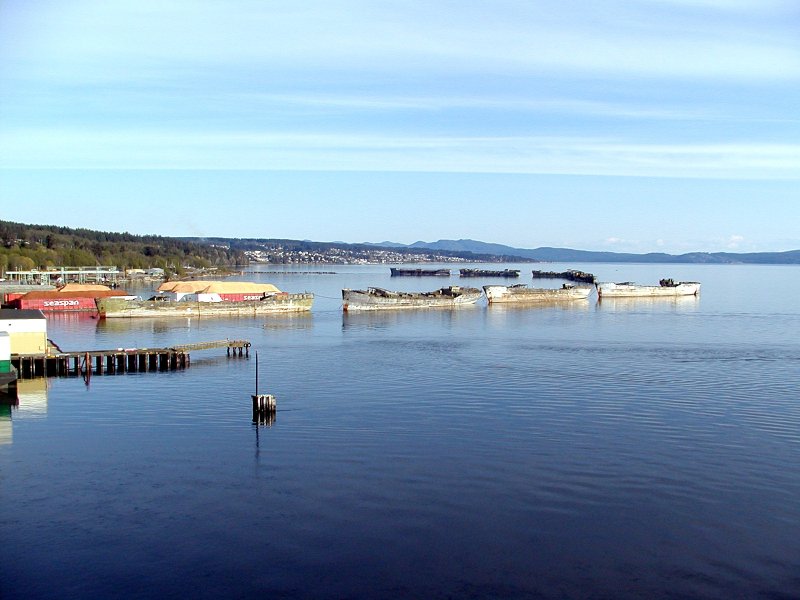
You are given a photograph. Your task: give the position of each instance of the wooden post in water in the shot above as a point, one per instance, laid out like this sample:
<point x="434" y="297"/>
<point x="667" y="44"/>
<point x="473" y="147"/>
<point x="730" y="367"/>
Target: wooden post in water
<point x="264" y="405"/>
<point x="87" y="368"/>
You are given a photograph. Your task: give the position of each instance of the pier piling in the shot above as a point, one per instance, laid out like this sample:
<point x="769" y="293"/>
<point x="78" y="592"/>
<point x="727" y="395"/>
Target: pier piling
<point x="264" y="405"/>
<point x="112" y="362"/>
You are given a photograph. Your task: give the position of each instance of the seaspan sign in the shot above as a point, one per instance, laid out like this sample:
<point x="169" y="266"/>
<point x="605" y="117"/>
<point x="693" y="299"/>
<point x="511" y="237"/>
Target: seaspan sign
<point x="252" y="297"/>
<point x="61" y="303"/>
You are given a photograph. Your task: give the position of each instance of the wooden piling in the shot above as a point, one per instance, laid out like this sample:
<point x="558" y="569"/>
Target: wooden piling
<point x="264" y="405"/>
<point x="117" y="361"/>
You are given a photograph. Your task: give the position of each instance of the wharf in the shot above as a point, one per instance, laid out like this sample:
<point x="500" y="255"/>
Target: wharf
<point x="119" y="360"/>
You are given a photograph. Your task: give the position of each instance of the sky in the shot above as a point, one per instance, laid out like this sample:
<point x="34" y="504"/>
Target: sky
<point x="631" y="126"/>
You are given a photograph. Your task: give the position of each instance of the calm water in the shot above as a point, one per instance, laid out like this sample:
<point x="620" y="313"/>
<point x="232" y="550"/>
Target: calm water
<point x="627" y="449"/>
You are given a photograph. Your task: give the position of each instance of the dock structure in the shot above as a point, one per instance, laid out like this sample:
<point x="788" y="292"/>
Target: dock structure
<point x="242" y="347"/>
<point x="61" y="275"/>
<point x="117" y="361"/>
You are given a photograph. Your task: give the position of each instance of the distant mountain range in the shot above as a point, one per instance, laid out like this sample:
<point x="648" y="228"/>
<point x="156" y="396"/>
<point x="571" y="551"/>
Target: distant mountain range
<point x="547" y="254"/>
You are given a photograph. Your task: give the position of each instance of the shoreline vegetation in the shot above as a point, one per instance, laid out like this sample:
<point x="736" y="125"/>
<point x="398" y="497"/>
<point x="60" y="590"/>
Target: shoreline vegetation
<point x="27" y="247"/>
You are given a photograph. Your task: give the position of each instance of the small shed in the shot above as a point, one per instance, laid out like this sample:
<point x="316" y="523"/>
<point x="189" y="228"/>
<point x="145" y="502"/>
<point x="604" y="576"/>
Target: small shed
<point x="27" y="330"/>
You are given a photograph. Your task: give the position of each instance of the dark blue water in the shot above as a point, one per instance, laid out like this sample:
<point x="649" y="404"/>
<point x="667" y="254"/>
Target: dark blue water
<point x="619" y="450"/>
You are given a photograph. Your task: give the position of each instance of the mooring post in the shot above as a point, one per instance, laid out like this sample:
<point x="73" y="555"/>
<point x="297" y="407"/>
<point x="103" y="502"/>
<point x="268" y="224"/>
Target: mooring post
<point x="264" y="405"/>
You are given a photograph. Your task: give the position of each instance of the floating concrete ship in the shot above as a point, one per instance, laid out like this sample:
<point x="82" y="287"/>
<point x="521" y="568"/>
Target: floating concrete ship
<point x="487" y="273"/>
<point x="522" y="294"/>
<point x="569" y="275"/>
<point x="666" y="288"/>
<point x="380" y="299"/>
<point x="420" y="272"/>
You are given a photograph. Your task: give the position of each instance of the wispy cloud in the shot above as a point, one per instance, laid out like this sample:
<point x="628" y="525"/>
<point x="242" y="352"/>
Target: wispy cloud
<point x="352" y="152"/>
<point x="708" y="39"/>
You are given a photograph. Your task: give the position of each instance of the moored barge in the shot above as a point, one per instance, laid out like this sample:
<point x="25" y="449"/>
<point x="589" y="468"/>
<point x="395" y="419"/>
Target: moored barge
<point x="379" y="299"/>
<point x="666" y="288"/>
<point x="488" y="273"/>
<point x="569" y="275"/>
<point x="522" y="294"/>
<point x="420" y="272"/>
<point x="69" y="298"/>
<point x="207" y="299"/>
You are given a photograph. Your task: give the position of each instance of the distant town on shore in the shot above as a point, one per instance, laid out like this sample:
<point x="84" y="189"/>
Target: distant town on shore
<point x="25" y="247"/>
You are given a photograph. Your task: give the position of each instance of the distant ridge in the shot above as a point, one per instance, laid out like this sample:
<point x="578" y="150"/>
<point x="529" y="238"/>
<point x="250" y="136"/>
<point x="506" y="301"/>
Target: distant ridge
<point x="548" y="254"/>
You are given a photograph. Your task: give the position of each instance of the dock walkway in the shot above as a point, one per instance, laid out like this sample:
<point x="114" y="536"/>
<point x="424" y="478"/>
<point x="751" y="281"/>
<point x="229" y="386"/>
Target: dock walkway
<point x="119" y="360"/>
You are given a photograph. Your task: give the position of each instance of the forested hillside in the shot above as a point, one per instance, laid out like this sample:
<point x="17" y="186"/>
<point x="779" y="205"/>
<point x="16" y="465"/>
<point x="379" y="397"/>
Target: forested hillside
<point x="24" y="247"/>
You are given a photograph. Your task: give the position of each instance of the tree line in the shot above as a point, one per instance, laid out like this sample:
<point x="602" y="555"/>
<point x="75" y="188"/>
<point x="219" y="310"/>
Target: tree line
<point x="25" y="247"/>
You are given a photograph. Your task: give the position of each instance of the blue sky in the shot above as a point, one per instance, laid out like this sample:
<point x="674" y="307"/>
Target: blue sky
<point x="640" y="125"/>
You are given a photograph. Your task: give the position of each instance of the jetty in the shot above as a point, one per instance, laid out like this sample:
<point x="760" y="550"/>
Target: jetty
<point x="58" y="363"/>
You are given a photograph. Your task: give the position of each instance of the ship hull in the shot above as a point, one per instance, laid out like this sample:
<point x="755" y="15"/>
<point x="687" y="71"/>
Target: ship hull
<point x="501" y="294"/>
<point x="629" y="290"/>
<point x="485" y="273"/>
<point x="419" y="272"/>
<point x="113" y="308"/>
<point x="375" y="299"/>
<point x="55" y="301"/>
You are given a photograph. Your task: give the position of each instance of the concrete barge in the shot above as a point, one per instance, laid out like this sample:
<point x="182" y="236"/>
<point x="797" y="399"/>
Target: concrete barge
<point x="114" y="308"/>
<point x="488" y="273"/>
<point x="667" y="288"/>
<point x="569" y="275"/>
<point x="522" y="294"/>
<point x="379" y="299"/>
<point x="420" y="272"/>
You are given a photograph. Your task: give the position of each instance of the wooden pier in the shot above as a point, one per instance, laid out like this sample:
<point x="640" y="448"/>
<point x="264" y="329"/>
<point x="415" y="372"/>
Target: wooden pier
<point x="120" y="360"/>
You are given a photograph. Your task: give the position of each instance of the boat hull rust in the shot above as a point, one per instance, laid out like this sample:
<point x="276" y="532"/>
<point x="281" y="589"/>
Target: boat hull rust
<point x="112" y="308"/>
<point x="522" y="294"/>
<point x="380" y="299"/>
<point x="632" y="290"/>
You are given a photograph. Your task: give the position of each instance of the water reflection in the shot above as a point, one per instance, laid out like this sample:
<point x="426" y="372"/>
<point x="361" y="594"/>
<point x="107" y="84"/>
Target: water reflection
<point x="6" y="427"/>
<point x="70" y="318"/>
<point x="32" y="398"/>
<point x="146" y="325"/>
<point x="26" y="399"/>
<point x="387" y="319"/>
<point x="302" y="320"/>
<point x="654" y="304"/>
<point x="264" y="419"/>
<point x="581" y="305"/>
